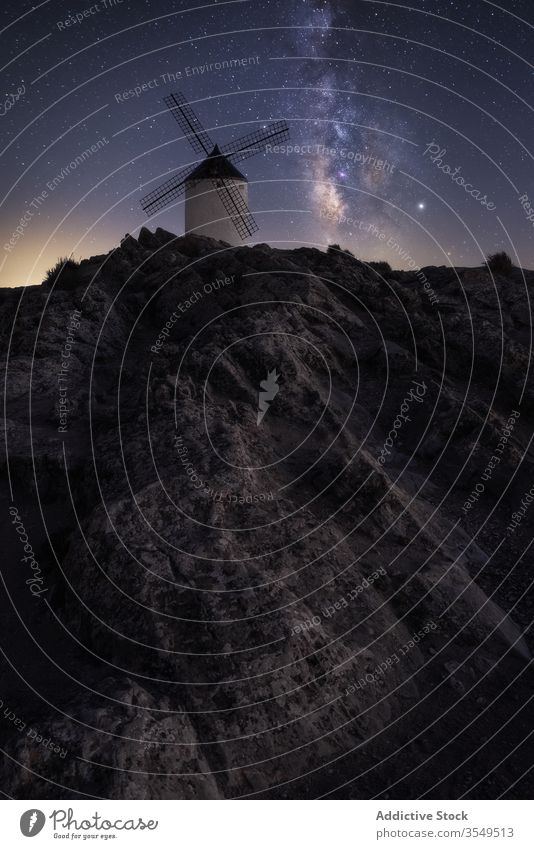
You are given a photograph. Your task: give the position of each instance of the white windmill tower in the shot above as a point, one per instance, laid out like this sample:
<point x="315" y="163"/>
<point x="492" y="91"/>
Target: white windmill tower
<point x="216" y="192"/>
<point x="205" y="211"/>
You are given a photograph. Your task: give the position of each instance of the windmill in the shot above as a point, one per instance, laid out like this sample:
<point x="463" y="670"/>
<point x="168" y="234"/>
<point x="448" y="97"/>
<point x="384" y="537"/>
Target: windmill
<point x="216" y="192"/>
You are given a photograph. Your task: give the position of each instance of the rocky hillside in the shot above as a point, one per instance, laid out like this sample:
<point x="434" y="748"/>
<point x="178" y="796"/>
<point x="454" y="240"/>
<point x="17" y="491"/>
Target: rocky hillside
<point x="331" y="598"/>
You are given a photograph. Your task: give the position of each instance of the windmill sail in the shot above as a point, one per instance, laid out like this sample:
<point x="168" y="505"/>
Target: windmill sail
<point x="255" y="142"/>
<point x="170" y="190"/>
<point x="236" y="208"/>
<point x="192" y="128"/>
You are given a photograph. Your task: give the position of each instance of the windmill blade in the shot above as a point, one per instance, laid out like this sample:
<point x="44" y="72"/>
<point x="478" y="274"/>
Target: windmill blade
<point x="236" y="207"/>
<point x="190" y="125"/>
<point x="174" y="187"/>
<point x="255" y="142"/>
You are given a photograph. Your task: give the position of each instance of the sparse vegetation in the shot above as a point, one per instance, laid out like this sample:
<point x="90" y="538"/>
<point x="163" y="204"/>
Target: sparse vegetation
<point x="382" y="267"/>
<point x="64" y="272"/>
<point x="337" y="249"/>
<point x="499" y="263"/>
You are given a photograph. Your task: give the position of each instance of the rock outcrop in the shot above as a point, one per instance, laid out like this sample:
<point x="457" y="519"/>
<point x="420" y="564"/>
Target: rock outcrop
<point x="299" y="607"/>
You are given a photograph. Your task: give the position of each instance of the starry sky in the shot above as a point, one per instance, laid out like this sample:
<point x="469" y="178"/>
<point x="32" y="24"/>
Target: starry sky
<point x="410" y="123"/>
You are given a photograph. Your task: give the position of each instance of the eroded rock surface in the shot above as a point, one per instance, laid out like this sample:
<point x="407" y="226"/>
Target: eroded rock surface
<point x="285" y="609"/>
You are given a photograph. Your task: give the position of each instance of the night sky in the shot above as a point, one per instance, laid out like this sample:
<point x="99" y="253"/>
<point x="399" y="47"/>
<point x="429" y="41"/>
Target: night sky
<point x="360" y="82"/>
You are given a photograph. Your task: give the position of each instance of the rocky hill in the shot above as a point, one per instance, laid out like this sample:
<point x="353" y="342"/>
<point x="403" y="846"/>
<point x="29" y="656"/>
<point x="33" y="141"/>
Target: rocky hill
<point x="332" y="598"/>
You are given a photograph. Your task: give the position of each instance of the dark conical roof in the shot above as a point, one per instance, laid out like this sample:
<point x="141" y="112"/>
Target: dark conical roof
<point x="216" y="165"/>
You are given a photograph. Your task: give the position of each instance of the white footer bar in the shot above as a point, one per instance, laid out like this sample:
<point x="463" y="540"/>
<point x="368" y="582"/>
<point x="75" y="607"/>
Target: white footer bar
<point x="269" y="824"/>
